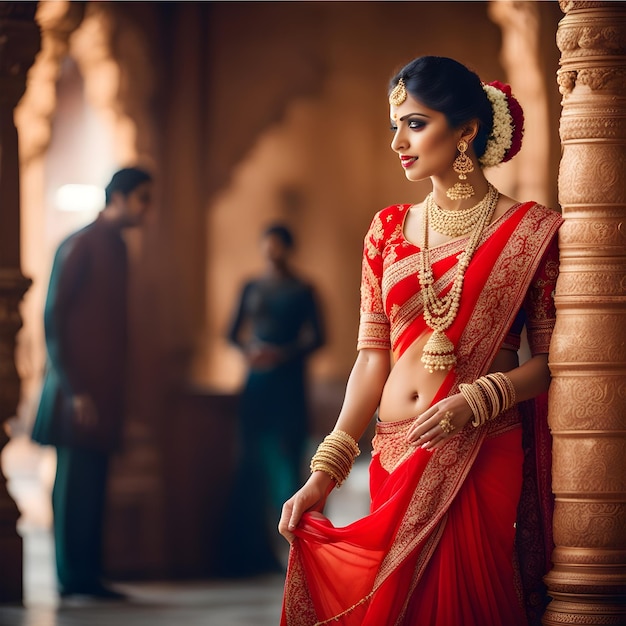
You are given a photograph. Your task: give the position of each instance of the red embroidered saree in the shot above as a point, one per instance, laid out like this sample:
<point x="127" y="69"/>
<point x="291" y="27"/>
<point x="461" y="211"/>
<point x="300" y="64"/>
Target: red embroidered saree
<point x="437" y="547"/>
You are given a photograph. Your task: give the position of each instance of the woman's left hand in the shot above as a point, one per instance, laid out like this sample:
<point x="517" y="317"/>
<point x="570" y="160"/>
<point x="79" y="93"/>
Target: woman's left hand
<point x="438" y="423"/>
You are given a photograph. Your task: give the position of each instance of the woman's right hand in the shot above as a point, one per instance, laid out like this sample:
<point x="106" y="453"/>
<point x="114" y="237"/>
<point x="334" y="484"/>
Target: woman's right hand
<point x="310" y="497"/>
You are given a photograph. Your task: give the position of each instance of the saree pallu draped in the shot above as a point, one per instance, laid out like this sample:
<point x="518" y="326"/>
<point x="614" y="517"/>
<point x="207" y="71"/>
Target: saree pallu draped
<point x="437" y="546"/>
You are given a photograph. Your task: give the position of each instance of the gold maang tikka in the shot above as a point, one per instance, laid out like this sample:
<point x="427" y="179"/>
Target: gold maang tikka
<point x="398" y="94"/>
<point x="463" y="166"/>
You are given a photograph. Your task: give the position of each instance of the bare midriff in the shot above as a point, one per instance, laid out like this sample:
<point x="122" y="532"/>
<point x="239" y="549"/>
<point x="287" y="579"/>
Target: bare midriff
<point x="410" y="388"/>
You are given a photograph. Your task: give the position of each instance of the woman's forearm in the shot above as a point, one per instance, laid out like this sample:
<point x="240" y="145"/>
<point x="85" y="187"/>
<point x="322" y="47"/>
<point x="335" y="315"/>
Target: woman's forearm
<point x="363" y="391"/>
<point x="532" y="378"/>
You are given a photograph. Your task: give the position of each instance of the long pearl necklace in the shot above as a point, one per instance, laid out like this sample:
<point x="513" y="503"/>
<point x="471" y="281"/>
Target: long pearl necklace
<point x="439" y="313"/>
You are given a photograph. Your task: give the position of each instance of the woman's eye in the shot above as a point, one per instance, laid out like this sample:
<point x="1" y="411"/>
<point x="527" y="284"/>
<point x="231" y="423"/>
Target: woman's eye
<point x="393" y="128"/>
<point x="416" y="124"/>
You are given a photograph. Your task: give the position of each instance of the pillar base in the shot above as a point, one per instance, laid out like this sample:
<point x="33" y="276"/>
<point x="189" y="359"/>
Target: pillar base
<point x="589" y="611"/>
<point x="587" y="583"/>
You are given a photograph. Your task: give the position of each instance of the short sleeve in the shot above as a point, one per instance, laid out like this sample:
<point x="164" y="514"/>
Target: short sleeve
<point x="539" y="303"/>
<point x="374" y="323"/>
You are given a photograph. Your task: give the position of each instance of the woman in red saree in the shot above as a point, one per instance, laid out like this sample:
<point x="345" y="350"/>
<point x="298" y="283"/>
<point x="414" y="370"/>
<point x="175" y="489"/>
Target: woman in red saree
<point x="459" y="476"/>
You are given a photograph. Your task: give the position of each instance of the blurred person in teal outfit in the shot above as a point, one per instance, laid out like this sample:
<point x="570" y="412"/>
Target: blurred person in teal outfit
<point x="82" y="405"/>
<point x="277" y="325"/>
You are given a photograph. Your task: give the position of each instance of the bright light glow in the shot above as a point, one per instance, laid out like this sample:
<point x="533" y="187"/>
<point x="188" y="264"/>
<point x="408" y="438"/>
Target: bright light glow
<point x="79" y="198"/>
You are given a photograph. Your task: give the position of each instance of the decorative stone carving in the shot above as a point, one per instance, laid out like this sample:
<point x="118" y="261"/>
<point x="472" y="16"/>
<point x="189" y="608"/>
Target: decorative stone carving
<point x="584" y="34"/>
<point x="571" y="5"/>
<point x="584" y="617"/>
<point x="581" y="233"/>
<point x="604" y="412"/>
<point x="597" y="525"/>
<point x="593" y="173"/>
<point x="588" y="352"/>
<point x="597" y="37"/>
<point x="594" y="282"/>
<point x="600" y="474"/>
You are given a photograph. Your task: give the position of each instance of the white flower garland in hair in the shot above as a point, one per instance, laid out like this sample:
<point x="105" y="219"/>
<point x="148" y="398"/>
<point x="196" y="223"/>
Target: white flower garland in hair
<point x="501" y="137"/>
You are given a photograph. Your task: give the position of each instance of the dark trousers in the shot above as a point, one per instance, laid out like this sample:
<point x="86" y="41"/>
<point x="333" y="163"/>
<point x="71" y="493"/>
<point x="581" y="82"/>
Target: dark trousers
<point x="78" y="506"/>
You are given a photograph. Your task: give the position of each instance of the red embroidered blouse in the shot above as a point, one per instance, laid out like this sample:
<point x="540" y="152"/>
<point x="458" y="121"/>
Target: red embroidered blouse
<point x="390" y="295"/>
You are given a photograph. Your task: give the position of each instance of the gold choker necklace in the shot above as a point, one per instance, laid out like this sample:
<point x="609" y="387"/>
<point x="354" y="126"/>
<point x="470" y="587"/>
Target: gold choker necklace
<point x="439" y="313"/>
<point x="456" y="222"/>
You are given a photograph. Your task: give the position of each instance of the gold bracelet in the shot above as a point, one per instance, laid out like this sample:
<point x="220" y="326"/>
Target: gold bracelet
<point x="506" y="388"/>
<point x="488" y="396"/>
<point x="335" y="456"/>
<point x="477" y="402"/>
<point x="491" y="394"/>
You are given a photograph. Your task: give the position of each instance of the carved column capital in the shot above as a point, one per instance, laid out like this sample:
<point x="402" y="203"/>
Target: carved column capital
<point x="592" y="39"/>
<point x="577" y="5"/>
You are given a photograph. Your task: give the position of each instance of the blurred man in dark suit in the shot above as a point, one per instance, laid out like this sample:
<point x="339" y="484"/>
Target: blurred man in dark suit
<point x="81" y="410"/>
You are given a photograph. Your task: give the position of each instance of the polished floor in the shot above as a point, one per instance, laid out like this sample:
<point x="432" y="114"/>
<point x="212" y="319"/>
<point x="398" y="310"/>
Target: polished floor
<point x="249" y="602"/>
<point x="254" y="602"/>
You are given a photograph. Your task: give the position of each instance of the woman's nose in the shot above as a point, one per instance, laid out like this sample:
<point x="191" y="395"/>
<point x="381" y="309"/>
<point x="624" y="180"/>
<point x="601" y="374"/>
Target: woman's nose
<point x="398" y="143"/>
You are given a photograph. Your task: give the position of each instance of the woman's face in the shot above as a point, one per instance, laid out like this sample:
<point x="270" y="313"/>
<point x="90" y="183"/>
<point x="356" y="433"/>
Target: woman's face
<point x="423" y="140"/>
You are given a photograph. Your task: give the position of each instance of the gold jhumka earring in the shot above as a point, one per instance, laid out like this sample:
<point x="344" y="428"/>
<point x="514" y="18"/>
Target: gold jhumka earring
<point x="398" y="94"/>
<point x="462" y="166"/>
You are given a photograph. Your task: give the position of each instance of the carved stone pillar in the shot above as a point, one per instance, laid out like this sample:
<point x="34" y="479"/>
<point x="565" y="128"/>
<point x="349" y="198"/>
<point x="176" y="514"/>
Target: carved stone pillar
<point x="588" y="355"/>
<point x="19" y="42"/>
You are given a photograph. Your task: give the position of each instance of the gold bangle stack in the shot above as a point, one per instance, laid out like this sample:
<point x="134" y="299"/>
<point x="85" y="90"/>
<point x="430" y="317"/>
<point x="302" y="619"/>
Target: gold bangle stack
<point x="335" y="456"/>
<point x="488" y="396"/>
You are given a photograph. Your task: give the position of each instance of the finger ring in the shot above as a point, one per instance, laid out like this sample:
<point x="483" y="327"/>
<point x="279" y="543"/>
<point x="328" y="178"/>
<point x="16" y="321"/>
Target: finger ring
<point x="446" y="425"/>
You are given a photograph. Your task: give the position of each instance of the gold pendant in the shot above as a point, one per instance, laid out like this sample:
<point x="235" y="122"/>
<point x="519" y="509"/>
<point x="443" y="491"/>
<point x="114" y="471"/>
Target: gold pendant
<point x="438" y="353"/>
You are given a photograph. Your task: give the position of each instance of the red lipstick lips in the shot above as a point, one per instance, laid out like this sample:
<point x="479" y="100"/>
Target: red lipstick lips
<point x="407" y="161"/>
